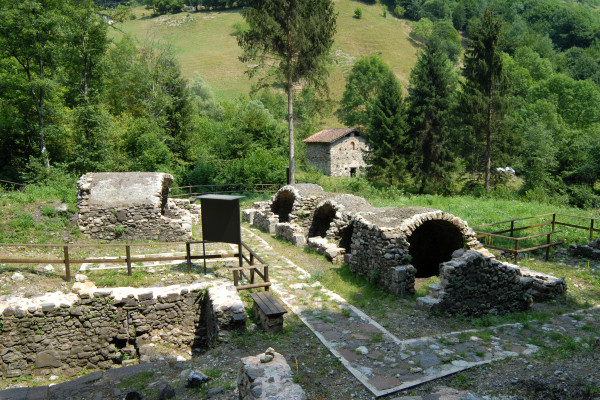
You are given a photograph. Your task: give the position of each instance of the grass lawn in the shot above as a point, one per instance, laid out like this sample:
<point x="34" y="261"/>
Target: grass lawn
<point x="203" y="42"/>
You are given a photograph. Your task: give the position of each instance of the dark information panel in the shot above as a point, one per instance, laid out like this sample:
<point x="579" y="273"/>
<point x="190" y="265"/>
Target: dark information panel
<point x="221" y="218"/>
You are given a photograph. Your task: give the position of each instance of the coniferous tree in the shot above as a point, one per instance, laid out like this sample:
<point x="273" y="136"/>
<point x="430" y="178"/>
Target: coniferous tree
<point x="291" y="40"/>
<point x="386" y="133"/>
<point x="432" y="84"/>
<point x="484" y="89"/>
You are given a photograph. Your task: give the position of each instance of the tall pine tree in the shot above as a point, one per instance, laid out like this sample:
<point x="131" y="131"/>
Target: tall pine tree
<point x="484" y="92"/>
<point x="291" y="39"/>
<point x="386" y="134"/>
<point x="432" y="84"/>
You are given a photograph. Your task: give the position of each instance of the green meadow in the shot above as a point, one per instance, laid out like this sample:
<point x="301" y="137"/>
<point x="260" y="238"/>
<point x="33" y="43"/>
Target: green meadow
<point x="204" y="42"/>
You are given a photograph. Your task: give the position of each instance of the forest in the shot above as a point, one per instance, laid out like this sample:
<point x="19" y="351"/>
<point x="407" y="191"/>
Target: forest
<point x="497" y="84"/>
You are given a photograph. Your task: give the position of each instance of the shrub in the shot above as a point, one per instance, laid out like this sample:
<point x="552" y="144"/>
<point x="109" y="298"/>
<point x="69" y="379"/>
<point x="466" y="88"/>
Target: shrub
<point x="399" y="11"/>
<point x="358" y="13"/>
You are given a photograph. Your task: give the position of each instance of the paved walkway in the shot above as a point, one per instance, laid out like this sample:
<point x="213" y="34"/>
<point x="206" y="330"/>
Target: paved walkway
<point x="378" y="359"/>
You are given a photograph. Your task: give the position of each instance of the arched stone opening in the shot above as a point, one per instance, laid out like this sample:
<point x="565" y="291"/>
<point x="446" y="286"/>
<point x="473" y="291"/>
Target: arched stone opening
<point x="283" y="204"/>
<point x="322" y="220"/>
<point x="346" y="240"/>
<point x="433" y="243"/>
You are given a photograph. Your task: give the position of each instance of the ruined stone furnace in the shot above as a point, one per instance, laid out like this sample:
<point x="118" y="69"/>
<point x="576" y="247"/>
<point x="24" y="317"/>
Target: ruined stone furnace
<point x="392" y="246"/>
<point x="133" y="205"/>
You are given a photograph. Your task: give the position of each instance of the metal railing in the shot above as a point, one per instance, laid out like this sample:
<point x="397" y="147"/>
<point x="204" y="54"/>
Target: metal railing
<point x="517" y="249"/>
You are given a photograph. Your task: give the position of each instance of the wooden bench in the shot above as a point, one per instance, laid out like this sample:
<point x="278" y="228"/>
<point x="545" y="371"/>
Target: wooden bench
<point x="269" y="311"/>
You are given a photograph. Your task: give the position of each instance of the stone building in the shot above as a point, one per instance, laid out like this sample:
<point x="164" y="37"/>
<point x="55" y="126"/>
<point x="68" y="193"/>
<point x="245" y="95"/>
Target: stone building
<point x="337" y="152"/>
<point x="132" y="205"/>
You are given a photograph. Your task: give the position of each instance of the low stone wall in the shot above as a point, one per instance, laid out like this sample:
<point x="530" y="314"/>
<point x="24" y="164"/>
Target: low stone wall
<point x="267" y="376"/>
<point x="332" y="252"/>
<point x="545" y="287"/>
<point x="113" y="327"/>
<point x="291" y="233"/>
<point x="473" y="284"/>
<point x="129" y="206"/>
<point x="591" y="250"/>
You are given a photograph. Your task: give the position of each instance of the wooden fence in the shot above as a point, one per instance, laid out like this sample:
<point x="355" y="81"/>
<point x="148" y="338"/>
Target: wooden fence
<point x="128" y="259"/>
<point x="197" y="190"/>
<point x="517" y="249"/>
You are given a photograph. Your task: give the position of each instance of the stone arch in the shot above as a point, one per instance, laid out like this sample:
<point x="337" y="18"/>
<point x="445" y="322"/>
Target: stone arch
<point x="433" y="243"/>
<point x="283" y="202"/>
<point x="322" y="219"/>
<point x="331" y="218"/>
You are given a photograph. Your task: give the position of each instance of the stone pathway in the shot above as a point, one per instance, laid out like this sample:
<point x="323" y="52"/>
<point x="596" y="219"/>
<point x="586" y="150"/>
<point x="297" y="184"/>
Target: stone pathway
<point x="382" y="362"/>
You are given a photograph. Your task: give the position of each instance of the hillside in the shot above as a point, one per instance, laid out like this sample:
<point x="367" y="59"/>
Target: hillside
<point x="204" y="42"/>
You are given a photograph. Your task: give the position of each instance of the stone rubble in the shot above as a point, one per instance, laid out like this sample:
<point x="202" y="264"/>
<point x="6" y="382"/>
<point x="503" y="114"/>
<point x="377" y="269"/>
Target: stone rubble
<point x="260" y="378"/>
<point x="591" y="250"/>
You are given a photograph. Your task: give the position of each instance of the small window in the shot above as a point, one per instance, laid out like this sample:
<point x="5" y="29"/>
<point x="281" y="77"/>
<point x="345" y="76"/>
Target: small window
<point x="353" y="145"/>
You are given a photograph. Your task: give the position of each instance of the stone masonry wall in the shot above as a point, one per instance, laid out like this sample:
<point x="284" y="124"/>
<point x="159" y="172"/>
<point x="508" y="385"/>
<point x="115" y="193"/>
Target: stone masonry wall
<point x="317" y="155"/>
<point x="347" y="153"/>
<point x="473" y="284"/>
<point x="109" y="328"/>
<point x="381" y="255"/>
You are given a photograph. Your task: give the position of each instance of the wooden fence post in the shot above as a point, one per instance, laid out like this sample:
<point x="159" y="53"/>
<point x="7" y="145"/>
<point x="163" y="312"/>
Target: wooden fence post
<point x="512" y="227"/>
<point x="591" y="229"/>
<point x="516" y="251"/>
<point x="548" y="248"/>
<point x="67" y="264"/>
<point x="128" y="258"/>
<point x="187" y="257"/>
<point x="266" y="274"/>
<point x="553" y="222"/>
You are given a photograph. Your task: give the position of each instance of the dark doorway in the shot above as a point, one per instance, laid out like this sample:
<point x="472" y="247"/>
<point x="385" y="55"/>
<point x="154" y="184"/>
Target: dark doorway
<point x="346" y="240"/>
<point x="283" y="204"/>
<point x="433" y="243"/>
<point x="322" y="220"/>
<point x="352" y="172"/>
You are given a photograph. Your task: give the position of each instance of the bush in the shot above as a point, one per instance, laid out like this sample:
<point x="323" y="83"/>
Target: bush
<point x="399" y="11"/>
<point x="259" y="166"/>
<point x="358" y="13"/>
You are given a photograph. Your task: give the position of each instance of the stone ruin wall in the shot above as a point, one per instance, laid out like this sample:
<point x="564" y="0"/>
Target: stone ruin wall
<point x="380" y="246"/>
<point x="266" y="215"/>
<point x="473" y="284"/>
<point x="102" y="329"/>
<point x="381" y="254"/>
<point x="128" y="206"/>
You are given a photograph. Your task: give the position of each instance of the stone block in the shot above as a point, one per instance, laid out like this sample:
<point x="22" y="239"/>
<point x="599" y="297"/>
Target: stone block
<point x="47" y="359"/>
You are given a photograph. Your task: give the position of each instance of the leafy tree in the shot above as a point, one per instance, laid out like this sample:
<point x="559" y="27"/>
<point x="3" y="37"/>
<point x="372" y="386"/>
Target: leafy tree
<point x="86" y="43"/>
<point x="28" y="34"/>
<point x="386" y="133"/>
<point x="203" y="98"/>
<point x="432" y="84"/>
<point x="483" y="93"/>
<point x="369" y="74"/>
<point x="291" y="39"/>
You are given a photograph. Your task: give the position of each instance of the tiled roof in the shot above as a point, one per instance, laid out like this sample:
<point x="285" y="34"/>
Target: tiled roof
<point x="328" y="135"/>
